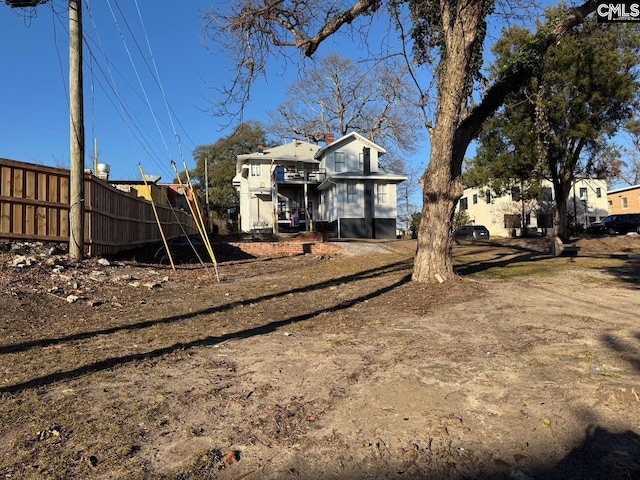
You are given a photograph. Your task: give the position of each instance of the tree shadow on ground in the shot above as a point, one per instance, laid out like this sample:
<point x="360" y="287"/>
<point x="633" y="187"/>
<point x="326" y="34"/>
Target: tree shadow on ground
<point x="601" y="455"/>
<point x="184" y="251"/>
<point x="514" y="254"/>
<point x="627" y="351"/>
<point x="266" y="328"/>
<point x="365" y="274"/>
<point x="629" y="272"/>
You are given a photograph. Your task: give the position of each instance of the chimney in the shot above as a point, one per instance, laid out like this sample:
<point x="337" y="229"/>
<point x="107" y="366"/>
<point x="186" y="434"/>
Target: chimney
<point x="366" y="159"/>
<point x="329" y="138"/>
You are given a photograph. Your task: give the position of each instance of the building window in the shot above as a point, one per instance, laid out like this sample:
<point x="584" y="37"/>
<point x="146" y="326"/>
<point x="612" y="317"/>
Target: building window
<point x="475" y="198"/>
<point x="583" y="193"/>
<point x="609" y="205"/>
<point x="464" y="203"/>
<point x="255" y="169"/>
<point x="282" y="210"/>
<point x="339" y="161"/>
<point x="361" y="162"/>
<point x="352" y="192"/>
<point x="625" y="203"/>
<point x="598" y="192"/>
<point x="381" y="192"/>
<point x="547" y="194"/>
<point x="488" y="196"/>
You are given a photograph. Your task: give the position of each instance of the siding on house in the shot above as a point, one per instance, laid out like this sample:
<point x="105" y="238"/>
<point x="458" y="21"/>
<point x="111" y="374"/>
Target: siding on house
<point x="301" y="186"/>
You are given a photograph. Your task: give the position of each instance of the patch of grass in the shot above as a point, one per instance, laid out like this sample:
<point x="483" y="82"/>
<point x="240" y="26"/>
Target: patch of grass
<point x="519" y="270"/>
<point x="305" y="326"/>
<point x="499" y="265"/>
<point x="587" y="356"/>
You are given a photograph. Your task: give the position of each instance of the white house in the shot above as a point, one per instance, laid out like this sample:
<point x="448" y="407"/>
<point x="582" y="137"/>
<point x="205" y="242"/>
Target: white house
<point x="300" y="186"/>
<point x="502" y="214"/>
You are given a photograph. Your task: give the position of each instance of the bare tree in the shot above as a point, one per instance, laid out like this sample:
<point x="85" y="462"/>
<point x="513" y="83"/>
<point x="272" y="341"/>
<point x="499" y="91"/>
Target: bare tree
<point x="339" y="96"/>
<point x="448" y="35"/>
<point x="630" y="171"/>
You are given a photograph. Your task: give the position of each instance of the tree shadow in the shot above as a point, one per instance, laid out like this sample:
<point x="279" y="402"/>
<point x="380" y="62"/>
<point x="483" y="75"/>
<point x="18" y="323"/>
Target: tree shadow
<point x="502" y="259"/>
<point x="629" y="272"/>
<point x="628" y="352"/>
<point x="365" y="274"/>
<point x="203" y="342"/>
<point x="601" y="455"/>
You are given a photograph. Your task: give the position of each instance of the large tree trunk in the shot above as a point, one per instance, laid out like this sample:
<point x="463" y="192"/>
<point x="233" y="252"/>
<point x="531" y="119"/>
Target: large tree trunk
<point x="561" y="222"/>
<point x="441" y="191"/>
<point x="455" y="127"/>
<point x="441" y="184"/>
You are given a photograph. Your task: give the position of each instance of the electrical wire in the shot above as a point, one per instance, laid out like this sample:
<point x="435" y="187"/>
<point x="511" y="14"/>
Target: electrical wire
<point x="126" y="113"/>
<point x="140" y="83"/>
<point x="157" y="77"/>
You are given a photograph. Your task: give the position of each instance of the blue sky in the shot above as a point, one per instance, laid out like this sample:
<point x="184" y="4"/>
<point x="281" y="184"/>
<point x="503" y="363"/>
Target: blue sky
<point x="119" y="84"/>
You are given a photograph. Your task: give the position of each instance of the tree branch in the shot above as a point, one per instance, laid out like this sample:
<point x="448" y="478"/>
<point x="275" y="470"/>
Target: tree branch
<point x="525" y="65"/>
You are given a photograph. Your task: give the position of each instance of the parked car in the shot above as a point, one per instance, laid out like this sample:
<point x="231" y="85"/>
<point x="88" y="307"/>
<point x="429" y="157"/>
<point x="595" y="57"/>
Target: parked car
<point x="472" y="232"/>
<point x="614" y="224"/>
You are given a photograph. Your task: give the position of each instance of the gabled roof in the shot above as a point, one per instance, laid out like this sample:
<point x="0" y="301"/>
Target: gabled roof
<point x="295" y="151"/>
<point x="348" y="138"/>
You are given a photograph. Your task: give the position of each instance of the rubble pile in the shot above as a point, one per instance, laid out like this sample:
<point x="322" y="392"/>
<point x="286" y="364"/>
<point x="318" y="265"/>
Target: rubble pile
<point x="39" y="268"/>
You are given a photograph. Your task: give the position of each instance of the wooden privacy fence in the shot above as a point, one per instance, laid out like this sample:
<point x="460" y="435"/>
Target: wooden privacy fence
<point x="34" y="205"/>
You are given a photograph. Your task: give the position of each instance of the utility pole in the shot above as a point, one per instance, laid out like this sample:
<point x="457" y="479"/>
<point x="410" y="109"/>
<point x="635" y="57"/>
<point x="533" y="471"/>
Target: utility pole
<point x="76" y="107"/>
<point x="76" y="129"/>
<point x="206" y="191"/>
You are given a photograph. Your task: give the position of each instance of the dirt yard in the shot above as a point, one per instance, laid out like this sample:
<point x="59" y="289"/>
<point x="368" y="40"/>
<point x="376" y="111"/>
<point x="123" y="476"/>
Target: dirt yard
<point x="323" y="366"/>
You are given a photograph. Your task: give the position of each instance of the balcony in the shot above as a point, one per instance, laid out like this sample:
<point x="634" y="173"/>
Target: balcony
<point x="292" y="175"/>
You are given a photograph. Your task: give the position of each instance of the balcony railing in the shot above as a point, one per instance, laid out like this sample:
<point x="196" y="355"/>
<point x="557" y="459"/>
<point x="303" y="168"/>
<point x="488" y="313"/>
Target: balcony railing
<point x="299" y="175"/>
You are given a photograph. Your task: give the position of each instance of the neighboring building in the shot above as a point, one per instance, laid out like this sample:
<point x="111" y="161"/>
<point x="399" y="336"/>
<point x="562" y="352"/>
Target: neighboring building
<point x="624" y="200"/>
<point x="302" y="187"/>
<point x="161" y="194"/>
<point x="502" y="215"/>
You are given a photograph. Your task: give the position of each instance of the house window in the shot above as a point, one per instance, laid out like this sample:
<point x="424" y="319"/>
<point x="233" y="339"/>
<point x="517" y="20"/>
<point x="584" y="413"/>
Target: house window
<point x="255" y="169"/>
<point x="339" y="161"/>
<point x="583" y="193"/>
<point x="361" y="162"/>
<point x="625" y="203"/>
<point x="609" y="204"/>
<point x="512" y="221"/>
<point x="547" y="194"/>
<point x="475" y="198"/>
<point x="598" y="192"/>
<point x="464" y="203"/>
<point x="381" y="192"/>
<point x="282" y="210"/>
<point x="352" y="192"/>
<point x="488" y="196"/>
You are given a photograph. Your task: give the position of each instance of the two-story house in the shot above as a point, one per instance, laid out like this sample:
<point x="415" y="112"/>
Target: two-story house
<point x="300" y="186"/>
